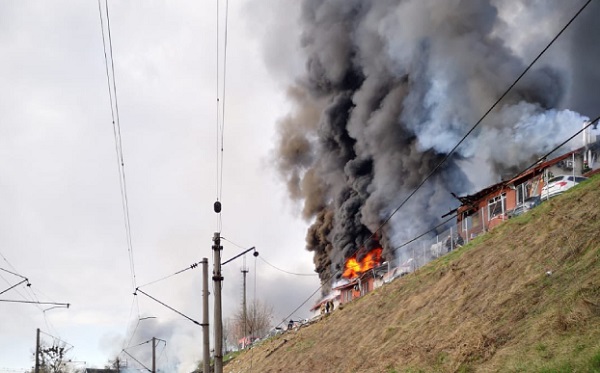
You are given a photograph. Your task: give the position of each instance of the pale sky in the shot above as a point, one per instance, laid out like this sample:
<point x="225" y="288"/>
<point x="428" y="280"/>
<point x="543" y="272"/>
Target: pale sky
<point x="61" y="216"/>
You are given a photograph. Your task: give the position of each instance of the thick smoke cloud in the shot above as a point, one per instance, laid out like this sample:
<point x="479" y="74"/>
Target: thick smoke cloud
<point x="389" y="88"/>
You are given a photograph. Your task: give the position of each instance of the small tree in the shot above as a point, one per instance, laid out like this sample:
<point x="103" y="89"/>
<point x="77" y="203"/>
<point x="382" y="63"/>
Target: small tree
<point x="53" y="359"/>
<point x="256" y="323"/>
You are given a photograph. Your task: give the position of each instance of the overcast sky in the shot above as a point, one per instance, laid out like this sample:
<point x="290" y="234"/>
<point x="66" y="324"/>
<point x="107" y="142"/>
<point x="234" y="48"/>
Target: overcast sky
<point x="61" y="216"/>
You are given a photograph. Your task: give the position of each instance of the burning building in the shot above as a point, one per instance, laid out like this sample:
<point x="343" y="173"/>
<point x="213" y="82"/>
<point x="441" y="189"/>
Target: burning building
<point x="389" y="89"/>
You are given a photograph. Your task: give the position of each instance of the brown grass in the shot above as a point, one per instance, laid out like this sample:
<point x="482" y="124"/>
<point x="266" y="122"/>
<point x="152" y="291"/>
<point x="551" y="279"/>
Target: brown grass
<point x="488" y="307"/>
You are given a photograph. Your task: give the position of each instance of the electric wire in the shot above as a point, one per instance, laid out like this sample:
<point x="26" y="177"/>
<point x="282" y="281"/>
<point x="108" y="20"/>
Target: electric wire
<point x="425" y="233"/>
<point x="221" y="91"/>
<point x="56" y="338"/>
<point x="192" y="266"/>
<point x="303" y="303"/>
<point x="223" y="106"/>
<point x="133" y="300"/>
<point x="557" y="147"/>
<point x="218" y="108"/>
<point x="116" y="123"/>
<point x="447" y="156"/>
<point x="139" y="344"/>
<point x="136" y="360"/>
<point x="28" y="289"/>
<point x="169" y="307"/>
<point x="32" y="298"/>
<point x="108" y="52"/>
<point x="288" y="272"/>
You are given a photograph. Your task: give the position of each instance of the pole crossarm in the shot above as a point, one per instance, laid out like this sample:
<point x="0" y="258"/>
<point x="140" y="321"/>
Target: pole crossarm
<point x="240" y="254"/>
<point x="34" y="302"/>
<point x="167" y="306"/>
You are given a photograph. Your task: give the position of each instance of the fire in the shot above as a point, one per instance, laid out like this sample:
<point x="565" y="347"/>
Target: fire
<point x="354" y="268"/>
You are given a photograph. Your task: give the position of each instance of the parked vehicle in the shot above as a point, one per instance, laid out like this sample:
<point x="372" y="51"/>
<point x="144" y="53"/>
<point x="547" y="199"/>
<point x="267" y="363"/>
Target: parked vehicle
<point x="527" y="205"/>
<point x="560" y="184"/>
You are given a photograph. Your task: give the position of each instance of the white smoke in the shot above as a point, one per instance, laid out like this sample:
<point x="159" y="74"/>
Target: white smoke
<point x="396" y="84"/>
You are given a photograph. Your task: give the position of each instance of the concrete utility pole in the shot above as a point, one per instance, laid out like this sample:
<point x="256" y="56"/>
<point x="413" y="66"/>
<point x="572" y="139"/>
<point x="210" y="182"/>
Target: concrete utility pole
<point x="37" y="351"/>
<point x="153" y="354"/>
<point x="218" y="279"/>
<point x="244" y="311"/>
<point x="205" y="331"/>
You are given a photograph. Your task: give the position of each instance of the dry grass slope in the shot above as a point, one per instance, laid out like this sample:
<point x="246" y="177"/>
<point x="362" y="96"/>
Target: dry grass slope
<point x="488" y="307"/>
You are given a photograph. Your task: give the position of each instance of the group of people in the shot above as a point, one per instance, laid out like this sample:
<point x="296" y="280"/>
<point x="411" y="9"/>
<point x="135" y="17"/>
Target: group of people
<point x="452" y="244"/>
<point x="327" y="307"/>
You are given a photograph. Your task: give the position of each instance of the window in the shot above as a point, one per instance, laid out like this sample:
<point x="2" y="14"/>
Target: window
<point x="364" y="289"/>
<point x="521" y="193"/>
<point x="496" y="206"/>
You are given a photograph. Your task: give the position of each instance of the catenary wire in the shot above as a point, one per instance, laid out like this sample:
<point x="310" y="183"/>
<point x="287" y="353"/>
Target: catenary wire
<point x="33" y="299"/>
<point x="447" y="156"/>
<point x="192" y="266"/>
<point x="56" y="338"/>
<point x="28" y="289"/>
<point x="224" y="95"/>
<point x="218" y="107"/>
<point x="284" y="271"/>
<point x="557" y="147"/>
<point x="116" y="123"/>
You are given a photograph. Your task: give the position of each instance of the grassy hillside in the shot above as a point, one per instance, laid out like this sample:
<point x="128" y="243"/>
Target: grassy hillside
<point x="490" y="306"/>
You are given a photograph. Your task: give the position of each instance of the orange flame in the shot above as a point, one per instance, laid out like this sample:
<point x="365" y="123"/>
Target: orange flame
<point x="354" y="268"/>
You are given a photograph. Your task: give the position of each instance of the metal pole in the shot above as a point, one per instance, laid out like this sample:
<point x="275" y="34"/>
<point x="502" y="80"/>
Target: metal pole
<point x="153" y="355"/>
<point x="244" y="310"/>
<point x="37" y="351"/>
<point x="482" y="220"/>
<point x="205" y="331"/>
<point x="217" y="279"/>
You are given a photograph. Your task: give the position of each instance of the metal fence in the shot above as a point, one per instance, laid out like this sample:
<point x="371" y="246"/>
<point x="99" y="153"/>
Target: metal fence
<point x="425" y="249"/>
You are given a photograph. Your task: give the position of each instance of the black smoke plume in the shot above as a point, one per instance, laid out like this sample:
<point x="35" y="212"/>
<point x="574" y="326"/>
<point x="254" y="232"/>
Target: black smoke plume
<point x="391" y="86"/>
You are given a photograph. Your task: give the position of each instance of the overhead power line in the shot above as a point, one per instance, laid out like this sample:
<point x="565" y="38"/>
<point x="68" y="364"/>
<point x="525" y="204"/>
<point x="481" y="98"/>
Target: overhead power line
<point x="169" y="307"/>
<point x="540" y="159"/>
<point x="116" y="123"/>
<point x="447" y="156"/>
<point x="288" y="272"/>
<point x="192" y="266"/>
<point x="221" y="92"/>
